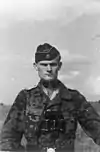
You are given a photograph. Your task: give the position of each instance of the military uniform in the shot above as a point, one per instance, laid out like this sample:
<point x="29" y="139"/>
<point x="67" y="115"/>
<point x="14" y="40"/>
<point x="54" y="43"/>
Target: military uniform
<point x="48" y="123"/>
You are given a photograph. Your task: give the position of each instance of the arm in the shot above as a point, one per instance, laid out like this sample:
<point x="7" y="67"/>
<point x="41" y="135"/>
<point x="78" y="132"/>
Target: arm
<point x="89" y="119"/>
<point x="13" y="127"/>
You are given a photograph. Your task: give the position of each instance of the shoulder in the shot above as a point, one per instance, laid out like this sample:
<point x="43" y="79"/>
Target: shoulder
<point x="31" y="89"/>
<point x="25" y="91"/>
<point x="30" y="92"/>
<point x="24" y="95"/>
<point x="77" y="97"/>
<point x="68" y="90"/>
<point x="76" y="94"/>
<point x="80" y="101"/>
<point x="72" y="94"/>
<point x="34" y="90"/>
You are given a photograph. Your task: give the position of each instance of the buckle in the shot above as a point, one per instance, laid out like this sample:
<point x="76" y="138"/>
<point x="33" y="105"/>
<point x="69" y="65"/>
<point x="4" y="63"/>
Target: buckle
<point x="51" y="149"/>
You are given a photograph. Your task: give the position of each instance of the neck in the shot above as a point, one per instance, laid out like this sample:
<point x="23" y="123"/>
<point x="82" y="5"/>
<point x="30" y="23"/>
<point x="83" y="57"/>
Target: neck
<point x="50" y="84"/>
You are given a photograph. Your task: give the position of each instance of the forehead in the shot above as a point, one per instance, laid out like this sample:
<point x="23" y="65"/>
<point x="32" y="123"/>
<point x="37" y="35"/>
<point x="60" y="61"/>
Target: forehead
<point x="48" y="62"/>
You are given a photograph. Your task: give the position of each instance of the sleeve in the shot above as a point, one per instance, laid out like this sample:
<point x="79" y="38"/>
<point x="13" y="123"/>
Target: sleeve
<point x="13" y="127"/>
<point x="89" y="119"/>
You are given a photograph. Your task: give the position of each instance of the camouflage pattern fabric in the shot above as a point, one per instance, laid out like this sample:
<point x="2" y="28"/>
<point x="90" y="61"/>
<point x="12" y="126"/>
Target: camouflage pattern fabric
<point x="25" y="115"/>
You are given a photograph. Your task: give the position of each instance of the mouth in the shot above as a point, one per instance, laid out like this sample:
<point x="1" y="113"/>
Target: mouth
<point x="49" y="75"/>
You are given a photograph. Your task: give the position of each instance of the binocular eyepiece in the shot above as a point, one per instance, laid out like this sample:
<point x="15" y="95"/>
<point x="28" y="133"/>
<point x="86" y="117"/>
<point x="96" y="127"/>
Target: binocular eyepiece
<point x="53" y="121"/>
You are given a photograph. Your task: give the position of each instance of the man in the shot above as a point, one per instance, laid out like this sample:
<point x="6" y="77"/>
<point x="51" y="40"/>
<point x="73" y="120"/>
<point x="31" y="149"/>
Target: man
<point x="47" y="114"/>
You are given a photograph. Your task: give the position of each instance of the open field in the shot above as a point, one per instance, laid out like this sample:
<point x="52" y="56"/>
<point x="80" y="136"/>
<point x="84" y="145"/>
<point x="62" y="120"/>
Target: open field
<point x="82" y="142"/>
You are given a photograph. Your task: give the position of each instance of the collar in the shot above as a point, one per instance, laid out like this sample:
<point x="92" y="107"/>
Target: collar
<point x="63" y="90"/>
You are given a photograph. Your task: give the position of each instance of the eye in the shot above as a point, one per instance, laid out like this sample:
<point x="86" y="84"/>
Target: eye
<point x="43" y="64"/>
<point x="50" y="64"/>
<point x="53" y="64"/>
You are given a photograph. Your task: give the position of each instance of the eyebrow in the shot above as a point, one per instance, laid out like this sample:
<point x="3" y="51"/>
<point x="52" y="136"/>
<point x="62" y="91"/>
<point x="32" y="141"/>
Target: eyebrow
<point x="45" y="64"/>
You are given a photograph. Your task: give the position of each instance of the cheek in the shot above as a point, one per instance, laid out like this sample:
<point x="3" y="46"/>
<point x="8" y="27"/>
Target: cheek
<point x="55" y="71"/>
<point x="40" y="71"/>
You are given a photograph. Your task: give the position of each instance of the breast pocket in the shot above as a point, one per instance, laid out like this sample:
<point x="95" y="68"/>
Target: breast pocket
<point x="31" y="121"/>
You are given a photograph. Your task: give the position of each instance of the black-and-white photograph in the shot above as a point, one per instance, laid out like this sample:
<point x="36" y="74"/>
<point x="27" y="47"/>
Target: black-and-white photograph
<point x="50" y="75"/>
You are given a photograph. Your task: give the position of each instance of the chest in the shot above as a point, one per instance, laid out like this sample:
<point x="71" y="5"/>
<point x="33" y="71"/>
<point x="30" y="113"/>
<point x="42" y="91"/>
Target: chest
<point x="37" y="104"/>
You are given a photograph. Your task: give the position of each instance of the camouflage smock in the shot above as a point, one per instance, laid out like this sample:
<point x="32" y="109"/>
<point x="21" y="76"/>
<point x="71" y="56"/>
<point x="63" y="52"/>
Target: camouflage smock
<point x="25" y="113"/>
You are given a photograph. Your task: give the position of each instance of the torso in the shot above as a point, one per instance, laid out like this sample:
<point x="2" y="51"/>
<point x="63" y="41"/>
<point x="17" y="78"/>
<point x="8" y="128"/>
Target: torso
<point x="34" y="109"/>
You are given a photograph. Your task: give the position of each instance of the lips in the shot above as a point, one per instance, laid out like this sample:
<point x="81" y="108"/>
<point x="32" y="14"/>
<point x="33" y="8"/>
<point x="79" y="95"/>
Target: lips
<point x="48" y="75"/>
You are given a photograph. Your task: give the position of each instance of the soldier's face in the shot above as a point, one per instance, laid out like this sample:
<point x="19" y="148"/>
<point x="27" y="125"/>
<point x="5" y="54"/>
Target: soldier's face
<point x="48" y="70"/>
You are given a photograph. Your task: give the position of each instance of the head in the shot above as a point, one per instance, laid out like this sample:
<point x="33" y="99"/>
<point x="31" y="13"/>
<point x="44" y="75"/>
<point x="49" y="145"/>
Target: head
<point x="47" y="62"/>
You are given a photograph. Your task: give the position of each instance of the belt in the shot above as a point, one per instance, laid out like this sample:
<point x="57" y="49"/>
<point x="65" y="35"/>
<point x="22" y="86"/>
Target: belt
<point x="53" y="149"/>
<point x="46" y="149"/>
<point x="50" y="149"/>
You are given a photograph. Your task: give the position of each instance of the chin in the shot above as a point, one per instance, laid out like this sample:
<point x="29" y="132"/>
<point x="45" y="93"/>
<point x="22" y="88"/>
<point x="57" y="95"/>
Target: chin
<point x="49" y="79"/>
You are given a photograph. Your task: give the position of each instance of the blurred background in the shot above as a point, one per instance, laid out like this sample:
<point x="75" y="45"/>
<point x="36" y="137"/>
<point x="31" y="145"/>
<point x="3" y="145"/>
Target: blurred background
<point x="71" y="26"/>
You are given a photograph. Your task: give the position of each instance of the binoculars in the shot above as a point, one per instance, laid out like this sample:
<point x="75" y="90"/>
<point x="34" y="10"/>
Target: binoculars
<point x="52" y="121"/>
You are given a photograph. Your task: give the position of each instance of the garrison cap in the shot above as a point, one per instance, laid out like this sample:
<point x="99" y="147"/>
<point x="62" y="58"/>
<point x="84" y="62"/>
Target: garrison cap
<point x="46" y="52"/>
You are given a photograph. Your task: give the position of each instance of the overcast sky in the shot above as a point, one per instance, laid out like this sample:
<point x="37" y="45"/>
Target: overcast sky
<point x="73" y="26"/>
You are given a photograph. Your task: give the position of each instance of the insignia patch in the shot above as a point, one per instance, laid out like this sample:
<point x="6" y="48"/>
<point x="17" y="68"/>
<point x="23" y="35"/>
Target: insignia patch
<point x="47" y="56"/>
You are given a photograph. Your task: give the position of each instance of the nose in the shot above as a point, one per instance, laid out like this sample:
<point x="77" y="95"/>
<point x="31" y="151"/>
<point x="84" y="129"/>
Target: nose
<point x="48" y="67"/>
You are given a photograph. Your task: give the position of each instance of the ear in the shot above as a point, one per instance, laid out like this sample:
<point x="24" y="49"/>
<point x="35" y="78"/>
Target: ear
<point x="35" y="66"/>
<point x="60" y="65"/>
